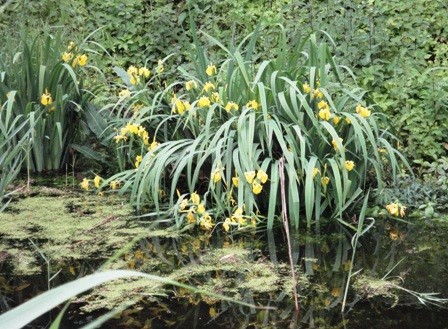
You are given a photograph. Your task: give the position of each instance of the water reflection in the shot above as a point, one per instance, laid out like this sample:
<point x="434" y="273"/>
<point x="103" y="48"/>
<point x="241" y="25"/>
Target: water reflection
<point x="322" y="266"/>
<point x="254" y="268"/>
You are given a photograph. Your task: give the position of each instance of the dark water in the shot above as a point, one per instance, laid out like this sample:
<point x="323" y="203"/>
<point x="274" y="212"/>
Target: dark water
<point x="412" y="257"/>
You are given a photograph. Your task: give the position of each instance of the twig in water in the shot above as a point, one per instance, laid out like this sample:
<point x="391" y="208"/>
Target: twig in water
<point x="286" y="226"/>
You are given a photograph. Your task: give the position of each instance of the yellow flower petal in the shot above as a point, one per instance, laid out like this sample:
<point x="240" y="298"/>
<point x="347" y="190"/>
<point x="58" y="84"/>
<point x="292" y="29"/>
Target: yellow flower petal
<point x="253" y="104"/>
<point x="318" y="94"/>
<point x="363" y="111"/>
<point x="262" y="176"/>
<point x="189" y="85"/>
<point x="201" y="209"/>
<point x="138" y="159"/>
<point x="208" y="87"/>
<point x="231" y="106"/>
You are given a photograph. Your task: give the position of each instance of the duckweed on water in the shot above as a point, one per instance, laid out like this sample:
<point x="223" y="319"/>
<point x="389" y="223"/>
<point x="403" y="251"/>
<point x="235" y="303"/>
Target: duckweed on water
<point x="64" y="226"/>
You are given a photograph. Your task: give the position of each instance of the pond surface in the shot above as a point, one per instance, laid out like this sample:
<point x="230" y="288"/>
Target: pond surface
<point x="53" y="236"/>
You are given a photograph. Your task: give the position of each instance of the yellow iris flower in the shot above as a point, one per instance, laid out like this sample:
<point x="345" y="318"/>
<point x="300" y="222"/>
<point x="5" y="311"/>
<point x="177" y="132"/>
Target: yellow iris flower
<point x="211" y="70"/>
<point x="231" y="106"/>
<point x="349" y="165"/>
<point x="306" y="88"/>
<point x="235" y="181"/>
<point x="249" y="175"/>
<point x="204" y="101"/>
<point x="46" y="99"/>
<point x="256" y="187"/>
<point x="253" y="104"/>
<point x="262" y="176"/>
<point x="195" y="198"/>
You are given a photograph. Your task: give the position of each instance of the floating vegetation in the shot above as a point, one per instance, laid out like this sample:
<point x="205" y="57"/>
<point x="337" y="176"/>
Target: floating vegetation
<point x="65" y="226"/>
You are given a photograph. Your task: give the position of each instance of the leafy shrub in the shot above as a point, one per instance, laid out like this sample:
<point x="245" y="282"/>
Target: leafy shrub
<point x="422" y="199"/>
<point x="222" y="132"/>
<point x="436" y="172"/>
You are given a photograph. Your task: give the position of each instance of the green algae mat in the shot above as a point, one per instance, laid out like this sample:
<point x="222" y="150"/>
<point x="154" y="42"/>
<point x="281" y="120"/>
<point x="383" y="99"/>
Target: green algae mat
<point x="63" y="226"/>
<point x="57" y="235"/>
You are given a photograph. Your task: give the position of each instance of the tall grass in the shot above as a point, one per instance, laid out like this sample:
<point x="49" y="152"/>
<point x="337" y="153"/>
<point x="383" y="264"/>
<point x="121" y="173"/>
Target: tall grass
<point x="222" y="129"/>
<point x="15" y="134"/>
<point x="47" y="78"/>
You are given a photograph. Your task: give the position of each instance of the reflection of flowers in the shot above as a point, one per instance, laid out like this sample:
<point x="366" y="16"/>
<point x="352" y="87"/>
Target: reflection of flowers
<point x="97" y="181"/>
<point x="85" y="184"/>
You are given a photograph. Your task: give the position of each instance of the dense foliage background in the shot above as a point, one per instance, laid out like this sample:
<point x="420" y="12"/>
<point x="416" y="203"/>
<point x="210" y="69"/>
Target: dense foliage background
<point x="398" y="50"/>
